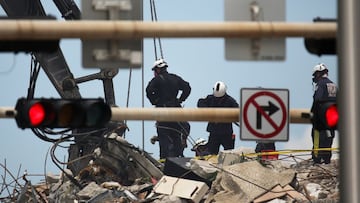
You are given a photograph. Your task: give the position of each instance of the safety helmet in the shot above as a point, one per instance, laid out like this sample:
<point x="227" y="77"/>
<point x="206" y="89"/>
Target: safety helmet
<point x="319" y="68"/>
<point x="200" y="142"/>
<point x="160" y="63"/>
<point x="219" y="89"/>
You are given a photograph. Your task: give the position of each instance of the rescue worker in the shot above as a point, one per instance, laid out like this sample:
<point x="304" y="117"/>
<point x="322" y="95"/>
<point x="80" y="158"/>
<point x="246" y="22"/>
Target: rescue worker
<point x="221" y="134"/>
<point x="162" y="91"/>
<point x="200" y="147"/>
<point x="324" y="90"/>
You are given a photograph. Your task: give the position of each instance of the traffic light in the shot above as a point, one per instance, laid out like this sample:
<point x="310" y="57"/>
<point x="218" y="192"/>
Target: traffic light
<point x="327" y="115"/>
<point x="321" y="46"/>
<point x="62" y="113"/>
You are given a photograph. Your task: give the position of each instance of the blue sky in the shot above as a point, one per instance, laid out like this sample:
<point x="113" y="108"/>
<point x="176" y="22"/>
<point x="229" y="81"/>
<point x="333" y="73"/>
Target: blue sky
<point x="199" y="61"/>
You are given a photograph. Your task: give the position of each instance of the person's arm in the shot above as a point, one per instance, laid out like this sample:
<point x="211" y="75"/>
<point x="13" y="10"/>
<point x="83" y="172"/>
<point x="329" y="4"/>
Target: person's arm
<point x="234" y="103"/>
<point x="229" y="101"/>
<point x="203" y="102"/>
<point x="185" y="89"/>
<point x="151" y="92"/>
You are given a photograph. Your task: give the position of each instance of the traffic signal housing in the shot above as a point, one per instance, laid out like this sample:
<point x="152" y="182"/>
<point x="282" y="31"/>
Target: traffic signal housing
<point x="62" y="113"/>
<point x="321" y="46"/>
<point x="328" y="116"/>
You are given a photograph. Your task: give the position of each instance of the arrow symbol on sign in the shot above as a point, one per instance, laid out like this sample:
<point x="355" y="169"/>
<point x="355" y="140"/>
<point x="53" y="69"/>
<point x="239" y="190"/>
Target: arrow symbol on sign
<point x="271" y="108"/>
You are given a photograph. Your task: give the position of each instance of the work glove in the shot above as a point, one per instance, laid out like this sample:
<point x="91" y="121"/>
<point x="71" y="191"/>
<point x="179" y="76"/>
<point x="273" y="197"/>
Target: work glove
<point x="153" y="139"/>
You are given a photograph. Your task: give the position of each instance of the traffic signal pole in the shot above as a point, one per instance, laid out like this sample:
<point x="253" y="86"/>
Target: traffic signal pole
<point x="349" y="95"/>
<point x="297" y="116"/>
<point x="98" y="29"/>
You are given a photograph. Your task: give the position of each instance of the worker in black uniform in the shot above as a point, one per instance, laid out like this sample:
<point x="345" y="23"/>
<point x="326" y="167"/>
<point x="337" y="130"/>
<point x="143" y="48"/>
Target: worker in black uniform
<point x="162" y="91"/>
<point x="324" y="90"/>
<point x="221" y="134"/>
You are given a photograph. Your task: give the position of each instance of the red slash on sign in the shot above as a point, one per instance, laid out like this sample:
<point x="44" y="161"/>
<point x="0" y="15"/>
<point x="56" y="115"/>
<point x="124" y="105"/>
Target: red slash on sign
<point x="261" y="112"/>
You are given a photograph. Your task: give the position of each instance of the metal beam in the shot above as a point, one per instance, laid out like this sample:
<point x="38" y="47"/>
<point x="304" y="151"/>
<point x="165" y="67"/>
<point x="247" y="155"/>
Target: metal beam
<point x="98" y="29"/>
<point x="300" y="116"/>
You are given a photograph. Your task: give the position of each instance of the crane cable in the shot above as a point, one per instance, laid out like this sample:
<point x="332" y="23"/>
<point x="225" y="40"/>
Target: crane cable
<point x="156" y="40"/>
<point x="153" y="18"/>
<point x="128" y="96"/>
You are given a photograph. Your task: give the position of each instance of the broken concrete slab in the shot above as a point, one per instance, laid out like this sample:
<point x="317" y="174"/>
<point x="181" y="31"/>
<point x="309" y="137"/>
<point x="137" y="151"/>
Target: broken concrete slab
<point x="279" y="191"/>
<point x="243" y="182"/>
<point x="229" y="157"/>
<point x="91" y="190"/>
<point x="204" y="169"/>
<point x="127" y="161"/>
<point x="276" y="192"/>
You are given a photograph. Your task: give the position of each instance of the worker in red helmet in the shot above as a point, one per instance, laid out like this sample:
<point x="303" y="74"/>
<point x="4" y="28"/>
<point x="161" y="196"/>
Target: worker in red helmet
<point x="162" y="91"/>
<point x="221" y="134"/>
<point x="324" y="90"/>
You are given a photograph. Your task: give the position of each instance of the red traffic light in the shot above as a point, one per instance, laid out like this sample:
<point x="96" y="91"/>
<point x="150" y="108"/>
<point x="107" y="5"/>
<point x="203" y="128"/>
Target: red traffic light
<point x="332" y="116"/>
<point x="36" y="114"/>
<point x="62" y="113"/>
<point x="327" y="115"/>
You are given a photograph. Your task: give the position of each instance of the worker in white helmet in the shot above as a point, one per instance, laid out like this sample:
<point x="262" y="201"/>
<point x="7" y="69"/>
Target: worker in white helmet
<point x="162" y="91"/>
<point x="221" y="134"/>
<point x="324" y="90"/>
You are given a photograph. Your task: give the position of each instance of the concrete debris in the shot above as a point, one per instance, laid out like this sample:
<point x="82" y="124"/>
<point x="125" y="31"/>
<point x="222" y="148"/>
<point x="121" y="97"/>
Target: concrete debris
<point x="182" y="167"/>
<point x="91" y="190"/>
<point x="187" y="189"/>
<point x="243" y="182"/>
<point x="120" y="172"/>
<point x="204" y="169"/>
<point x="318" y="182"/>
<point x="281" y="192"/>
<point x="229" y="157"/>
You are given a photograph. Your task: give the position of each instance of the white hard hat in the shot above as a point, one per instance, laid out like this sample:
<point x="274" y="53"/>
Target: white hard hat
<point x="219" y="89"/>
<point x="319" y="68"/>
<point x="200" y="141"/>
<point x="160" y="63"/>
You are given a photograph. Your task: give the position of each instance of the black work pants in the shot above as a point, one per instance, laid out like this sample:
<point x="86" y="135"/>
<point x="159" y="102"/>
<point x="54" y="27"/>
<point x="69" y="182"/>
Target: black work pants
<point x="169" y="140"/>
<point x="217" y="139"/>
<point x="322" y="139"/>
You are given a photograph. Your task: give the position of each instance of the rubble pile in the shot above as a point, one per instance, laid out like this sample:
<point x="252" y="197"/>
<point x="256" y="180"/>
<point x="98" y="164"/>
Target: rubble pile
<point x="229" y="177"/>
<point x="318" y="181"/>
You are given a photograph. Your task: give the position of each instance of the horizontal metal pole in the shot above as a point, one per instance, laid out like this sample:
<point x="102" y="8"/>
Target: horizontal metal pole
<point x="194" y="114"/>
<point x="179" y="114"/>
<point x="102" y="29"/>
